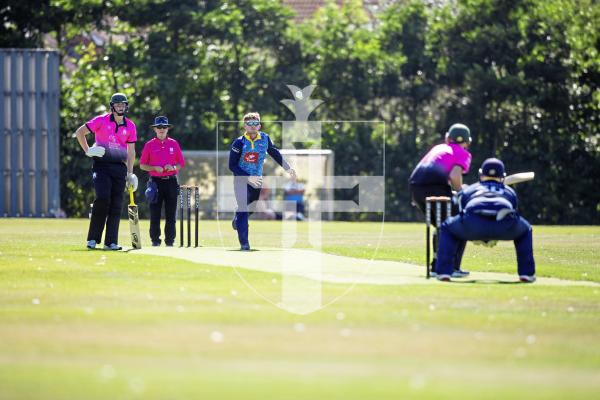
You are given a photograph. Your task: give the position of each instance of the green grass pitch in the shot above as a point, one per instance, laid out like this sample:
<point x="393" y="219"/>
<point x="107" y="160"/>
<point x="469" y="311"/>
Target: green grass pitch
<point x="79" y="324"/>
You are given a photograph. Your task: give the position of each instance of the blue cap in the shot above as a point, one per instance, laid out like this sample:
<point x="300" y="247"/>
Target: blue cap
<point x="493" y="168"/>
<point x="161" y="121"/>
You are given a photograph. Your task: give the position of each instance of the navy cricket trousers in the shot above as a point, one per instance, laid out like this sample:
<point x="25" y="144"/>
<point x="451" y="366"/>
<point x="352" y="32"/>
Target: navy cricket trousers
<point x="419" y="193"/>
<point x="244" y="196"/>
<point x="109" y="183"/>
<point x="168" y="191"/>
<point x="460" y="228"/>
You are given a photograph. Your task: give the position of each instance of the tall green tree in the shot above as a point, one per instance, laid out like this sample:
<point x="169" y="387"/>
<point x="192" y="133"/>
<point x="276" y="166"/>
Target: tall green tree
<point x="411" y="97"/>
<point x="512" y="67"/>
<point x="522" y="74"/>
<point x="197" y="62"/>
<point x="341" y="51"/>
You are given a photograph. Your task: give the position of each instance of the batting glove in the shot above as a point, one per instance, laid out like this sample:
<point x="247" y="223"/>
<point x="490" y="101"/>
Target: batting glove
<point x="95" y="151"/>
<point x="132" y="181"/>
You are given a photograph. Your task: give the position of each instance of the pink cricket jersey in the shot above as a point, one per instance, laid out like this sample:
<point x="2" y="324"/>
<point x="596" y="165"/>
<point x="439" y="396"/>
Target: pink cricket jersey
<point x="161" y="153"/>
<point x="447" y="156"/>
<point x="112" y="137"/>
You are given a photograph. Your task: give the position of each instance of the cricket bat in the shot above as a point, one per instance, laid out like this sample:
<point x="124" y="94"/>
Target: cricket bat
<point x="134" y="221"/>
<point x="518" y="178"/>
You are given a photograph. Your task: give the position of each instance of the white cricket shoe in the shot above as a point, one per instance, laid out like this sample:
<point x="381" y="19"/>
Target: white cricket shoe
<point x="527" y="278"/>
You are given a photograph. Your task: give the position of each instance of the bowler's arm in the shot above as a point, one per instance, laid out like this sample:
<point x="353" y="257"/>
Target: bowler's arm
<point x="234" y="162"/>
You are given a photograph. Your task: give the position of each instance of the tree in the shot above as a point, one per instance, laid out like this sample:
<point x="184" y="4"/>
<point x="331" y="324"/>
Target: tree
<point x="513" y="67"/>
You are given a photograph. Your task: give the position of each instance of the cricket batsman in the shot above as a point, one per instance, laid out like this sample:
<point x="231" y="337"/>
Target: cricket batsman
<point x="246" y="159"/>
<point x="114" y="154"/>
<point x="439" y="173"/>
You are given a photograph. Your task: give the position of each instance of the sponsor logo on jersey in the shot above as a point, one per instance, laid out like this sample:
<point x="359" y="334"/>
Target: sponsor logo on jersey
<point x="251" y="157"/>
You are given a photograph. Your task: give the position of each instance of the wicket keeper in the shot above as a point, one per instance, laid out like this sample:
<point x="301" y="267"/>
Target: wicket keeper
<point x="488" y="212"/>
<point x="246" y="159"/>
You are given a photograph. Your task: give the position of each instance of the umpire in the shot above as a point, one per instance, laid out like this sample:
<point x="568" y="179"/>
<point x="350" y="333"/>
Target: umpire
<point x="488" y="212"/>
<point x="163" y="159"/>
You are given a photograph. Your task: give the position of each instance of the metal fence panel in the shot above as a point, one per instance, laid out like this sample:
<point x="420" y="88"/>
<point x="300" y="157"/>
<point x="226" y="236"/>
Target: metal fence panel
<point x="29" y="133"/>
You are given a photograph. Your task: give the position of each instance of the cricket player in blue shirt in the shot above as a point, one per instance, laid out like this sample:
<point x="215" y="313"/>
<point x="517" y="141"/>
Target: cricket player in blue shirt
<point x="246" y="160"/>
<point x="488" y="212"/>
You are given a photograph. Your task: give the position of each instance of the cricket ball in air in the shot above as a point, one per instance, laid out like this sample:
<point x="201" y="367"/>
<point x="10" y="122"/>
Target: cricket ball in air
<point x="299" y="95"/>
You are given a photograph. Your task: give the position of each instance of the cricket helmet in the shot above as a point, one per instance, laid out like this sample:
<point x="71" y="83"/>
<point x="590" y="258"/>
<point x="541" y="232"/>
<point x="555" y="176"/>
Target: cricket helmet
<point x="119" y="98"/>
<point x="459" y="133"/>
<point x="492" y="168"/>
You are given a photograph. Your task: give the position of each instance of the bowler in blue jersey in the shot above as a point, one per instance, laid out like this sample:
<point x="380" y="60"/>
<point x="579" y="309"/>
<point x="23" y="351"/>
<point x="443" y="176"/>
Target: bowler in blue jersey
<point x="246" y="159"/>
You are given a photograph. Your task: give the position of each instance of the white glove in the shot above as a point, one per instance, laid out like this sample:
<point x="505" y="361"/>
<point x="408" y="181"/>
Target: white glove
<point x="255" y="181"/>
<point x="132" y="181"/>
<point x="95" y="151"/>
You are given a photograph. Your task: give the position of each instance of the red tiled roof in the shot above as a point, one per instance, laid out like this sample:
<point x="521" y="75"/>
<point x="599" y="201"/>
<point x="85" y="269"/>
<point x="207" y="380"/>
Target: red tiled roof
<point x="305" y="8"/>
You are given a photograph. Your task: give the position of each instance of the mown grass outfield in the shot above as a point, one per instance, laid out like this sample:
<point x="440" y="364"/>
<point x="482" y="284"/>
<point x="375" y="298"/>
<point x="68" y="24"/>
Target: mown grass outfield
<point x="79" y="324"/>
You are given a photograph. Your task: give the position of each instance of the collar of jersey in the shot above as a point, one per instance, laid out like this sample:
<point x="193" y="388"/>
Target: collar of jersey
<point x="112" y="118"/>
<point x="258" y="137"/>
<point x="162" y="141"/>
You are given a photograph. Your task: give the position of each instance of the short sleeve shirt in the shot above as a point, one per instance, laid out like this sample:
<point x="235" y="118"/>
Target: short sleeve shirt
<point x="434" y="168"/>
<point x="160" y="153"/>
<point x="114" y="138"/>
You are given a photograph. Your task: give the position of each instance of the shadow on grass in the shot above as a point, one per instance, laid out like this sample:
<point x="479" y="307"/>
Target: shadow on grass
<point x="489" y="282"/>
<point x="485" y="281"/>
<point x="251" y="250"/>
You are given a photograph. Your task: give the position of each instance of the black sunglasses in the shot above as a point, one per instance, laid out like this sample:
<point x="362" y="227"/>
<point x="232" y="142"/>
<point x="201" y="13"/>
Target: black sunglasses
<point x="161" y="126"/>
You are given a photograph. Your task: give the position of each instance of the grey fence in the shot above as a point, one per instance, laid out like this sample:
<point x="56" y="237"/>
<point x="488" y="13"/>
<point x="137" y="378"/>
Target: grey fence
<point x="29" y="133"/>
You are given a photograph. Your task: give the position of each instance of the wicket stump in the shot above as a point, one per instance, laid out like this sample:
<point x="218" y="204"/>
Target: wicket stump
<point x="185" y="199"/>
<point x="437" y="200"/>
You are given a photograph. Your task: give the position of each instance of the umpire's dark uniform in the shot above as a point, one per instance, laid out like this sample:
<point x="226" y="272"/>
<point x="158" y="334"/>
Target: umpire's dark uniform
<point x="488" y="212"/>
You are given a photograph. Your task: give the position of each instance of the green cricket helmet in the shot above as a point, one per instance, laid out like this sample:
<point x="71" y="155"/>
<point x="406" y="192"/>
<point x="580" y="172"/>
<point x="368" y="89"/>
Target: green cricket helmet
<point x="459" y="133"/>
<point x="119" y="98"/>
